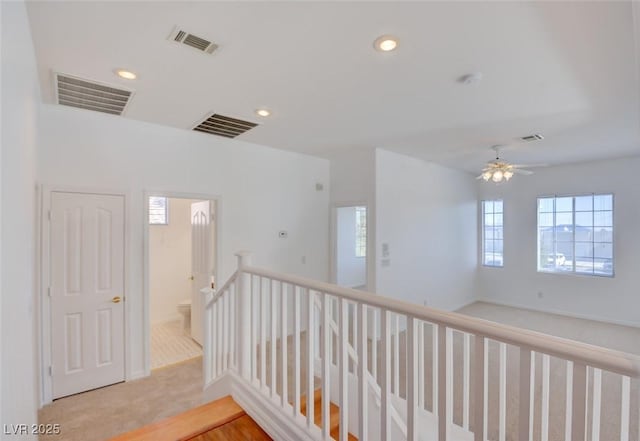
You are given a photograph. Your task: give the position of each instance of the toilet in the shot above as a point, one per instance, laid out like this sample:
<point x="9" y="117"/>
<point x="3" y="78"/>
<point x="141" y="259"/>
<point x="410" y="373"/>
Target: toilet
<point x="184" y="308"/>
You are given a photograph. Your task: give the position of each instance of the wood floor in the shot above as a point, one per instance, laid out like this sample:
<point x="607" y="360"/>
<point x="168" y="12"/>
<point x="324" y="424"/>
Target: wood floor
<point x="241" y="429"/>
<point x="222" y="419"/>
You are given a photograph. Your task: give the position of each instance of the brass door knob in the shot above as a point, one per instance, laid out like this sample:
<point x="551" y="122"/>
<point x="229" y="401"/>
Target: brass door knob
<point x="116" y="299"/>
<point x="191" y="278"/>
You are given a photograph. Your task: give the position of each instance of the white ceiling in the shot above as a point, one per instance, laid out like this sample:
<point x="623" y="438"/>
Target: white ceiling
<point x="566" y="70"/>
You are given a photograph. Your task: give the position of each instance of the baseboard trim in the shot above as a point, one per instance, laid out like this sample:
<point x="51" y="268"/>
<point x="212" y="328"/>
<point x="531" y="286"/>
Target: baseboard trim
<point x="556" y="312"/>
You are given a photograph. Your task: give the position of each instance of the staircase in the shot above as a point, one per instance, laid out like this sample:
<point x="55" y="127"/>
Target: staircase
<point x="391" y="370"/>
<point x="334" y="415"/>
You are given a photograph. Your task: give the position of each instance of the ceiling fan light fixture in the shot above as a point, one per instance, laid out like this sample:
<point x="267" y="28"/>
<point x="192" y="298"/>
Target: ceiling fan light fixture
<point x="508" y="174"/>
<point x="497" y="176"/>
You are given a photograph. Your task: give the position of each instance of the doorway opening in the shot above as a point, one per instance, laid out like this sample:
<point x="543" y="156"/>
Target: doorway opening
<point x="182" y="261"/>
<point x="351" y="246"/>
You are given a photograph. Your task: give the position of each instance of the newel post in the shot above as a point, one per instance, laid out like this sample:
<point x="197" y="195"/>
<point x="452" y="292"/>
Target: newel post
<point x="243" y="319"/>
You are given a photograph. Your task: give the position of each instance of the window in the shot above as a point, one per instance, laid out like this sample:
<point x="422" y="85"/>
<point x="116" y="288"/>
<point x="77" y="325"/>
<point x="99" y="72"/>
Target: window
<point x="492" y="233"/>
<point x="158" y="211"/>
<point x="361" y="231"/>
<point x="575" y="234"/>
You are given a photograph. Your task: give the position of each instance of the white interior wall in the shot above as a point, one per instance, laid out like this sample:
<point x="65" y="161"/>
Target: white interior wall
<point x="519" y="284"/>
<point x="20" y="104"/>
<point x="262" y="191"/>
<point x="427" y="214"/>
<point x="353" y="182"/>
<point x="170" y="262"/>
<point x="351" y="269"/>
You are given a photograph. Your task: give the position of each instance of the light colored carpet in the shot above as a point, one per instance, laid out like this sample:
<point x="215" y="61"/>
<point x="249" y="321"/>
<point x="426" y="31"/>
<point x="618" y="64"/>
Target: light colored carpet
<point x="170" y="344"/>
<point x="103" y="413"/>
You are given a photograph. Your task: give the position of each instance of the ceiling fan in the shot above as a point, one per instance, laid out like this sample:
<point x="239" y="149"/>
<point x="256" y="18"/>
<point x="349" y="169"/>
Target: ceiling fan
<point x="499" y="170"/>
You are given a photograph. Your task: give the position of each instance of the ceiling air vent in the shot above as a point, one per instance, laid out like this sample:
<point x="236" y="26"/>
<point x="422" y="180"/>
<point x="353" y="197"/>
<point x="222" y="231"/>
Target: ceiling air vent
<point x="224" y="126"/>
<point x="89" y="95"/>
<point x="202" y="44"/>
<point x="535" y="137"/>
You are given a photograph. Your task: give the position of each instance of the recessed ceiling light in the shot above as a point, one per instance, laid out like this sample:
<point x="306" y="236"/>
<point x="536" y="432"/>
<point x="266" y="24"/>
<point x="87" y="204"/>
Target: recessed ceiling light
<point x="263" y="112"/>
<point x="127" y="75"/>
<point x="385" y="43"/>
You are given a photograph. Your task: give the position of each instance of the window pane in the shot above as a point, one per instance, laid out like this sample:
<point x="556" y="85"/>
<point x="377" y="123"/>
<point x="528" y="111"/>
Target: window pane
<point x="158" y="210"/>
<point x="497" y="219"/>
<point x="497" y="206"/>
<point x="488" y="206"/>
<point x="603" y="202"/>
<point x="603" y="218"/>
<point x="584" y="203"/>
<point x="498" y="246"/>
<point x="584" y="250"/>
<point x="584" y="266"/>
<point x="488" y="233"/>
<point x="545" y="205"/>
<point x="488" y="246"/>
<point x="488" y="219"/>
<point x="603" y="251"/>
<point x="564" y="205"/>
<point x="584" y="219"/>
<point x="603" y="234"/>
<point x="545" y="220"/>
<point x="603" y="267"/>
<point x="564" y="219"/>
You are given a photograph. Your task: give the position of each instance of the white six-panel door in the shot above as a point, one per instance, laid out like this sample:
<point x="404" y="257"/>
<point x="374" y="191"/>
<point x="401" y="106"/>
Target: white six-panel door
<point x="87" y="291"/>
<point x="201" y="263"/>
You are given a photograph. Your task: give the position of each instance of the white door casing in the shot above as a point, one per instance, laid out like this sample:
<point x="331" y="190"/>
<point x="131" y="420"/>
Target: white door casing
<point x="201" y="263"/>
<point x="86" y="278"/>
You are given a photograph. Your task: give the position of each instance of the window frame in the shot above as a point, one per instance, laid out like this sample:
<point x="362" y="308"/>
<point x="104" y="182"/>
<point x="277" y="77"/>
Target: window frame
<point x="166" y="211"/>
<point x="483" y="228"/>
<point x="573" y="272"/>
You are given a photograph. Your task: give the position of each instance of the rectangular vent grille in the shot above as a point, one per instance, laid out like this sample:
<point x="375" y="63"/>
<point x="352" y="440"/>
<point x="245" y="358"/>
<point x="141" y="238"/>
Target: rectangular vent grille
<point x="88" y="95"/>
<point x="224" y="126"/>
<point x="535" y="137"/>
<point x="194" y="41"/>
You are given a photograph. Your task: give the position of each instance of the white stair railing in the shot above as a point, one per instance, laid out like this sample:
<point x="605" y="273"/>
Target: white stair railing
<point x="428" y="374"/>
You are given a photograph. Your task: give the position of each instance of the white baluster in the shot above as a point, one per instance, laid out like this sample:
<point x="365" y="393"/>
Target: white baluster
<point x="524" y="410"/>
<point x="343" y="367"/>
<point x="569" y="401"/>
<point x="284" y="303"/>
<point x="225" y="334"/>
<point x="255" y="311"/>
<point x="479" y="389"/>
<point x="597" y="399"/>
<point x="434" y="368"/>
<point x="625" y="408"/>
<point x="232" y="333"/>
<point x="466" y="361"/>
<point x="311" y="329"/>
<point x="502" y="420"/>
<point x="396" y="355"/>
<point x="485" y="397"/>
<point x="421" y="381"/>
<point x="273" y="336"/>
<point x="374" y="345"/>
<point x="326" y="364"/>
<point x="263" y="332"/>
<point x="208" y="341"/>
<point x="385" y="373"/>
<point x="363" y="388"/>
<point x="412" y="380"/>
<point x="443" y="383"/>
<point x="214" y="339"/>
<point x="544" y="430"/>
<point x="579" y="395"/>
<point x="297" y="292"/>
<point x="532" y="392"/>
<point x="219" y="335"/>
<point x="449" y="382"/>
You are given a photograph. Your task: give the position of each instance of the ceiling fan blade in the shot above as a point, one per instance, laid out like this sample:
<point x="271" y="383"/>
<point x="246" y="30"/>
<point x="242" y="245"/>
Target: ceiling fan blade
<point x="529" y="165"/>
<point x="479" y="177"/>
<point x="522" y="171"/>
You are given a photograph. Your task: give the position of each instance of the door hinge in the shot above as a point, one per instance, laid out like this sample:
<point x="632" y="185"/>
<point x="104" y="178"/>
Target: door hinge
<point x="50" y="371"/>
<point x="49" y="291"/>
<point x="49" y="214"/>
<point x="213" y="217"/>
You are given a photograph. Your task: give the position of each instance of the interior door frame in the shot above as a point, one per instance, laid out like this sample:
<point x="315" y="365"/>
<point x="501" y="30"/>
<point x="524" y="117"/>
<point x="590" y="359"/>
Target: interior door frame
<point x="43" y="278"/>
<point x="216" y="202"/>
<point x="334" y="241"/>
